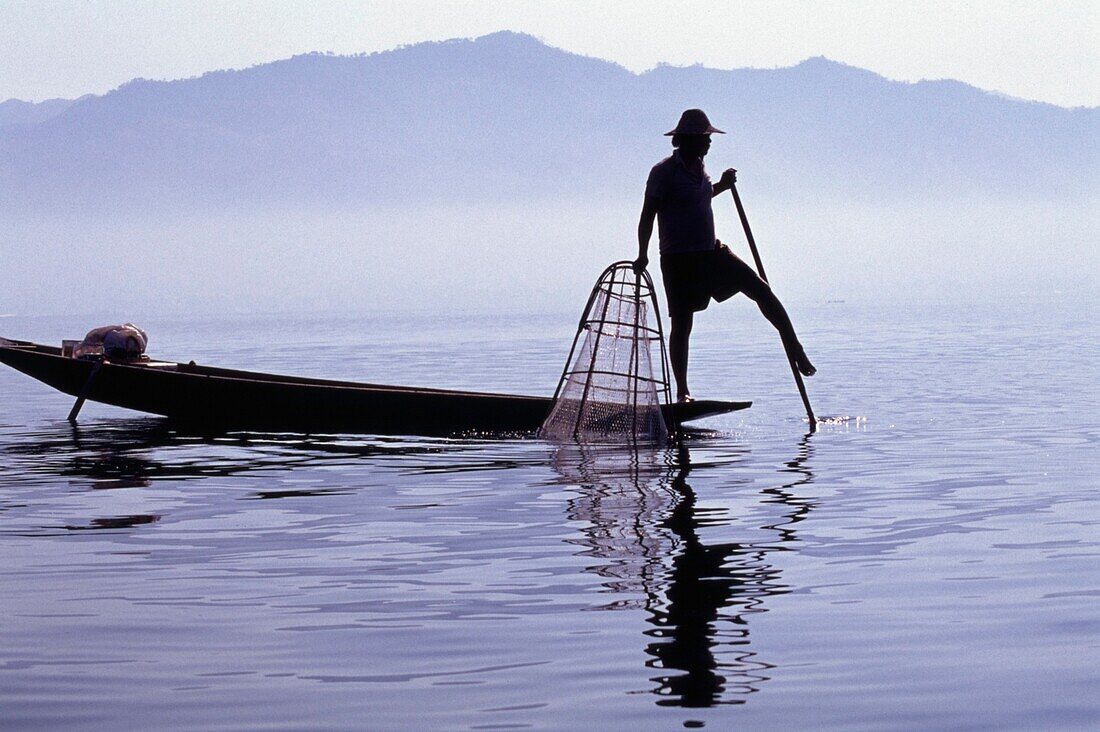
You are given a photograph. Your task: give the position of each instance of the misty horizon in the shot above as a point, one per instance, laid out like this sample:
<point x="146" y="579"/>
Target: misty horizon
<point x="461" y="173"/>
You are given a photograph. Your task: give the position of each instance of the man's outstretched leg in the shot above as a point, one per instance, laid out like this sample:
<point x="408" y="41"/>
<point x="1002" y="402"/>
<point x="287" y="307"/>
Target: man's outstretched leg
<point x="678" y="334"/>
<point x="760" y="293"/>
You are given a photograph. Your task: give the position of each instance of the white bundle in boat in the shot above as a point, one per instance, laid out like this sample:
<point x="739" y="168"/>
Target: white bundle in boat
<point x="609" y="391"/>
<point x="116" y="342"/>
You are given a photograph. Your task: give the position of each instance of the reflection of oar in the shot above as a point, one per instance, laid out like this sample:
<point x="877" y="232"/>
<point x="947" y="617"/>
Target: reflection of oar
<point x="85" y="391"/>
<point x="760" y="270"/>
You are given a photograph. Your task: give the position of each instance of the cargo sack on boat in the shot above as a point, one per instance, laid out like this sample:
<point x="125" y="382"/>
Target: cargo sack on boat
<point x="120" y="343"/>
<point x="609" y="391"/>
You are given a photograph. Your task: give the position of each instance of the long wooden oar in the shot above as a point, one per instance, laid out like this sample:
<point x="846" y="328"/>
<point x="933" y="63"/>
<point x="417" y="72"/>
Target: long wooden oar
<point x="84" y="392"/>
<point x="760" y="271"/>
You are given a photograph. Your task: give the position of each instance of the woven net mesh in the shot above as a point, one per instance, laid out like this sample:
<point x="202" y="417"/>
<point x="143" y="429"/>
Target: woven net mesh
<point x="609" y="391"/>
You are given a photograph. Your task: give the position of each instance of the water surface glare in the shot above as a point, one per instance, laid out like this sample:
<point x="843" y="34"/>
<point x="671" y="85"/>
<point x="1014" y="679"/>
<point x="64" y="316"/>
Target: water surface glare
<point x="930" y="562"/>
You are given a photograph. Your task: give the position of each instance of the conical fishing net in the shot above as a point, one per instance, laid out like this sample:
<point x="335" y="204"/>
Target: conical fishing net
<point x="609" y="391"/>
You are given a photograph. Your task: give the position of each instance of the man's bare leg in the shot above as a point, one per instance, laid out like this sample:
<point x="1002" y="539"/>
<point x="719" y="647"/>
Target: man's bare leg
<point x="679" y="332"/>
<point x="776" y="314"/>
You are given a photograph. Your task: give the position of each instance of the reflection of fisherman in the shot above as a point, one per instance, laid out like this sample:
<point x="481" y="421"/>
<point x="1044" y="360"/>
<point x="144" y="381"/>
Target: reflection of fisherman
<point x="641" y="530"/>
<point x="695" y="266"/>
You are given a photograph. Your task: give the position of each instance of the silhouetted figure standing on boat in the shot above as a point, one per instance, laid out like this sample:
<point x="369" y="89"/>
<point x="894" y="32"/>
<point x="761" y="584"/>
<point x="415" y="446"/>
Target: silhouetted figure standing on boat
<point x="695" y="266"/>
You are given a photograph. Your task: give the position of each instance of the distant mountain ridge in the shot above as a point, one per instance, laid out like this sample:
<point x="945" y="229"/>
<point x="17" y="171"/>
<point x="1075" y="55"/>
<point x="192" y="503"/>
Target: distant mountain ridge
<point x="18" y="112"/>
<point x="507" y="117"/>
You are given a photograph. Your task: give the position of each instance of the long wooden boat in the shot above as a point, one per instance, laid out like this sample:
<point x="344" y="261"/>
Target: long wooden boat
<point x="211" y="399"/>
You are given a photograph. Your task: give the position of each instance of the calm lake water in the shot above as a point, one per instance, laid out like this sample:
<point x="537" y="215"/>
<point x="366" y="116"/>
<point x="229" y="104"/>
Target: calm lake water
<point x="931" y="562"/>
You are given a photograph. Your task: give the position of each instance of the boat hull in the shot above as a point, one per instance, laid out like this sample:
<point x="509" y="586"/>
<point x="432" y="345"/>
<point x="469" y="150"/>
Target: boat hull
<point x="212" y="399"/>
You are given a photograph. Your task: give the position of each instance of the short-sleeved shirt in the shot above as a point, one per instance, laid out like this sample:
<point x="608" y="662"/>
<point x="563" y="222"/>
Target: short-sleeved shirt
<point x="685" y="220"/>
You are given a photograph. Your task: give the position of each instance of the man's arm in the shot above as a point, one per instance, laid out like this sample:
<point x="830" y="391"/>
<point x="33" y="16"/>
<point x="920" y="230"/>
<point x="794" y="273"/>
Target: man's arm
<point x="729" y="177"/>
<point x="645" y="231"/>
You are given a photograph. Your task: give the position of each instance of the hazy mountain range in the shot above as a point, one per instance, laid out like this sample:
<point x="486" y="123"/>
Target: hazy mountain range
<point x="505" y="117"/>
<point x="500" y="173"/>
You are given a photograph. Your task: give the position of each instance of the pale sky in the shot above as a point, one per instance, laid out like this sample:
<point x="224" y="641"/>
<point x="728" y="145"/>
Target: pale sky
<point x="1042" y="50"/>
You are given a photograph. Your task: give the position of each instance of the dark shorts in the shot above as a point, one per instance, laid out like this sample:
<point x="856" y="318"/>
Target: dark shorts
<point x="692" y="279"/>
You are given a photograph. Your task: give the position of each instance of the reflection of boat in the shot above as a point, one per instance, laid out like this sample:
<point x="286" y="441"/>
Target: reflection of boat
<point x="215" y="398"/>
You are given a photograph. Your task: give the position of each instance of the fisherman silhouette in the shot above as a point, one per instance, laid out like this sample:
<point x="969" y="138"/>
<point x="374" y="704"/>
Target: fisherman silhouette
<point x="695" y="266"/>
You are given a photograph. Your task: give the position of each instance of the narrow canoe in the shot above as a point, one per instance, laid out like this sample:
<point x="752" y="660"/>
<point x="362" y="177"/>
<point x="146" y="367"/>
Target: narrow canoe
<point x="210" y="398"/>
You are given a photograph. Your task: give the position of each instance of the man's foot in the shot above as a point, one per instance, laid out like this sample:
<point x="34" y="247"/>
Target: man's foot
<point x="802" y="363"/>
<point x="685" y="398"/>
